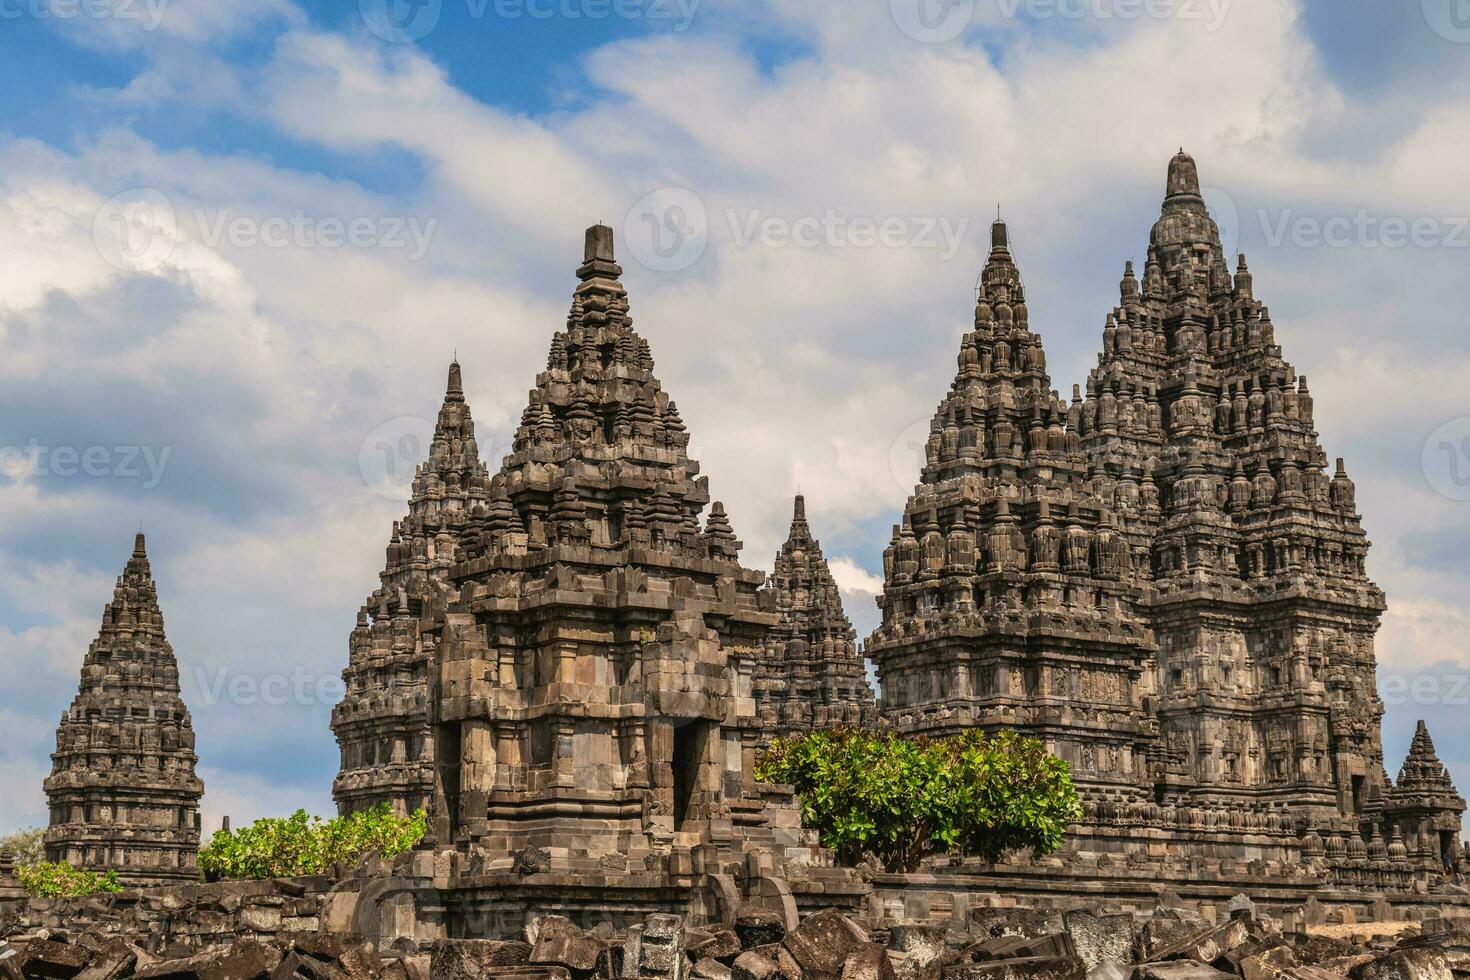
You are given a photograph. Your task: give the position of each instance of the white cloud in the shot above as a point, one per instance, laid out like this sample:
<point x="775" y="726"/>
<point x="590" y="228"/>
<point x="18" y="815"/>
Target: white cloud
<point x="804" y="367"/>
<point x="853" y="579"/>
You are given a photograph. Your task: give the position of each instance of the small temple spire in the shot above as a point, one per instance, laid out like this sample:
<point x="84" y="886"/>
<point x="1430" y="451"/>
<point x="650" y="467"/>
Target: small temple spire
<point x="455" y="389"/>
<point x="140" y="546"/>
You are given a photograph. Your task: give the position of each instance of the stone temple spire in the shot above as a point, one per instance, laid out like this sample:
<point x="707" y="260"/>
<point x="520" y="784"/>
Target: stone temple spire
<point x="594" y="665"/>
<point x="122" y="791"/>
<point x="810" y="675"/>
<point x="1422" y="771"/>
<point x="382" y="723"/>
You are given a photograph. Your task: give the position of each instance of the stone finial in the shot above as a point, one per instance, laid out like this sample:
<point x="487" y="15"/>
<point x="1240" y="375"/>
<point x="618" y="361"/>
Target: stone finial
<point x="454" y="391"/>
<point x="599" y="244"/>
<point x="1183" y="179"/>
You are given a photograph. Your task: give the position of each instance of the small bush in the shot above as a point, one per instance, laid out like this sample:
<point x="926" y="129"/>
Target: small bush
<point x="26" y="846"/>
<point x="306" y="845"/>
<point x="60" y="880"/>
<point x="899" y="799"/>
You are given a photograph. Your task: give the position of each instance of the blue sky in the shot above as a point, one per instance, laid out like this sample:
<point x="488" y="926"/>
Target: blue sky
<point x="238" y="383"/>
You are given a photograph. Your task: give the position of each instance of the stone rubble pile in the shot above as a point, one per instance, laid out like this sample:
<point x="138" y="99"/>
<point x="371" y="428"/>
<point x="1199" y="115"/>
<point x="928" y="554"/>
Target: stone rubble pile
<point x="1000" y="944"/>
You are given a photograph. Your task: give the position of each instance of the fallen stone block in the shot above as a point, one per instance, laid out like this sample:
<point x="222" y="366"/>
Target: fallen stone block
<point x="1019" y="968"/>
<point x="822" y="943"/>
<point x="548" y="925"/>
<point x="759" y="927"/>
<point x="243" y="960"/>
<point x="1413" y="963"/>
<point x="469" y="959"/>
<point x="709" y="968"/>
<point x="755" y="965"/>
<point x="1271" y="964"/>
<point x="51" y="960"/>
<point x="653" y="950"/>
<point x="922" y="944"/>
<point x="111" y="959"/>
<point x="991" y="923"/>
<point x="1167" y="927"/>
<point x="1101" y="940"/>
<point x="868" y="962"/>
<point x="717" y="944"/>
<point x="1056" y="945"/>
<point x="1178" y="970"/>
<point x="574" y="949"/>
<point x="1206" y="946"/>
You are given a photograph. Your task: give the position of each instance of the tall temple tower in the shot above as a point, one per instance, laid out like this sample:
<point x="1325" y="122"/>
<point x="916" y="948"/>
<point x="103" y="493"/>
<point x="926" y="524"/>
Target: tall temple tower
<point x="1160" y="580"/>
<point x="1010" y="593"/>
<point x="1259" y="598"/>
<point x="811" y="674"/>
<point x="382" y="723"/>
<point x="592" y="694"/>
<point x="122" y="791"/>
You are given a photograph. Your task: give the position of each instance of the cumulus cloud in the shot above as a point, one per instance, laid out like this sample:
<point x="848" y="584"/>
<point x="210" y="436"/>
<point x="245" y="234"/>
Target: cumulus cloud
<point x="267" y="368"/>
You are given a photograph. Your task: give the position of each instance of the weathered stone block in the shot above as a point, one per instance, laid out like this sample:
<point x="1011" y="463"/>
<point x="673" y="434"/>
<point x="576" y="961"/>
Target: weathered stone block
<point x="822" y="943"/>
<point x="467" y="959"/>
<point x="1414" y="963"/>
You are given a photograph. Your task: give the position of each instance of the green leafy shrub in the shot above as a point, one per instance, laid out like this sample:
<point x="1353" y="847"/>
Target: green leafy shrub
<point x="305" y="845"/>
<point x="899" y="799"/>
<point x="45" y="879"/>
<point x="26" y="846"/>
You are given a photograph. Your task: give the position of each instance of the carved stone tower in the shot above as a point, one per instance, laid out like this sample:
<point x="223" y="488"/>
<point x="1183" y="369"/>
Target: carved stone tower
<point x="1160" y="579"/>
<point x="1010" y="592"/>
<point x="382" y="723"/>
<point x="593" y="689"/>
<point x="811" y="675"/>
<point x="122" y="789"/>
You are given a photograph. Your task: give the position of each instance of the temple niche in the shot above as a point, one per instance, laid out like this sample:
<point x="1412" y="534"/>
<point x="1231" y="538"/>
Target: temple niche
<point x="122" y="792"/>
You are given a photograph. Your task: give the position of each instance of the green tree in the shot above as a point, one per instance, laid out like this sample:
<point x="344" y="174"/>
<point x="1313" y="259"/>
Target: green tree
<point x="277" y="847"/>
<point x="900" y="799"/>
<point x="60" y="880"/>
<point x="26" y="846"/>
